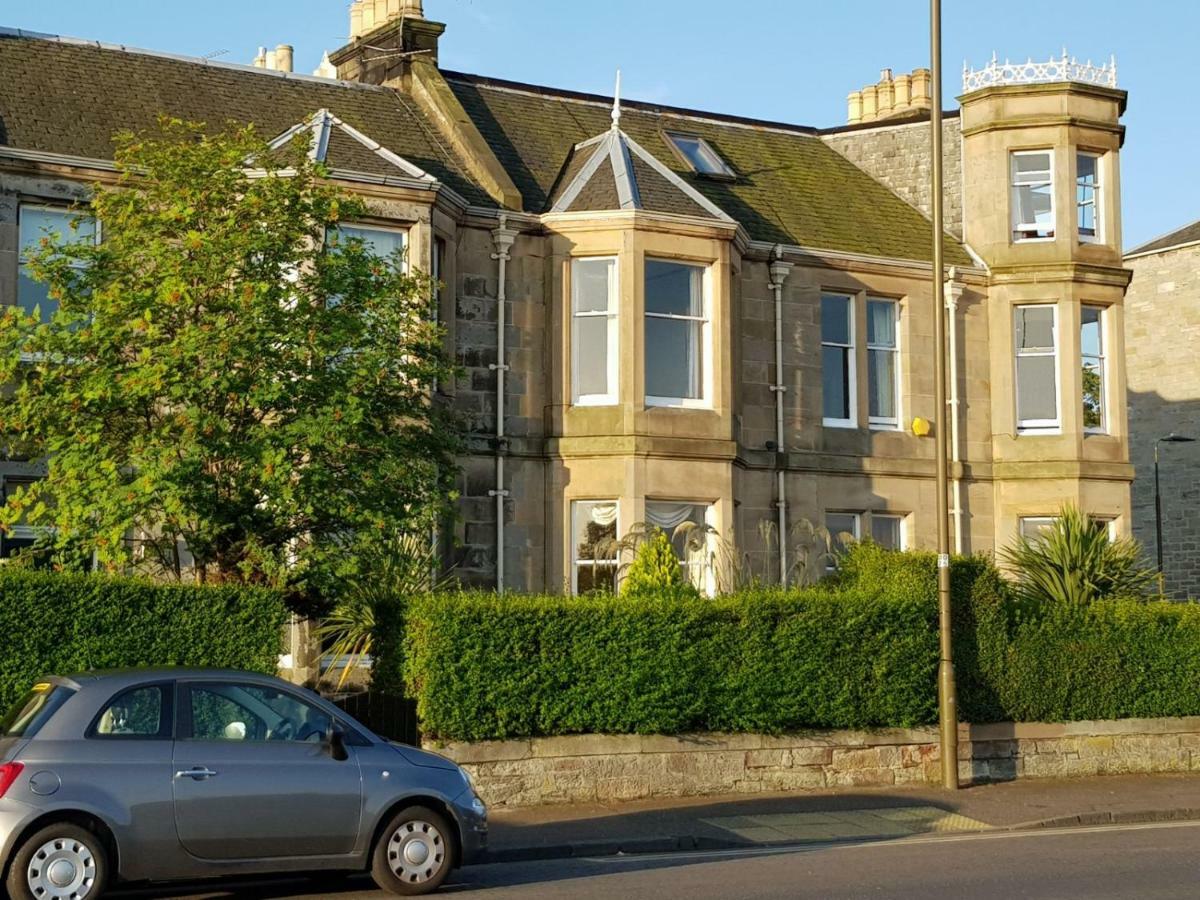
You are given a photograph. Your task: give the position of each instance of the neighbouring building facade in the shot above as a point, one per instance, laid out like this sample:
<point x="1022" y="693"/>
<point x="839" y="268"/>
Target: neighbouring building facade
<point x="666" y="316"/>
<point x="1162" y="332"/>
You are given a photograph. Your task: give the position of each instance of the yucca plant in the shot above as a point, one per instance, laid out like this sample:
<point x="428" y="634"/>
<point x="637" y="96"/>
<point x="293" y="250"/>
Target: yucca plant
<point x="406" y="567"/>
<point x="1074" y="561"/>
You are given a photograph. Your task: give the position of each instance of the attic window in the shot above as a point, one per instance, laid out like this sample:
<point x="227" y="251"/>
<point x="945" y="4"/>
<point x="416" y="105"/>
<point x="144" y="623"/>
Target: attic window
<point x="699" y="155"/>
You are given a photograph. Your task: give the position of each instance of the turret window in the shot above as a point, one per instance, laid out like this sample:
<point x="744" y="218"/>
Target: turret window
<point x="677" y="334"/>
<point x="1036" y="333"/>
<point x="594" y="336"/>
<point x="1087" y="196"/>
<point x="1091" y="345"/>
<point x="1033" y="195"/>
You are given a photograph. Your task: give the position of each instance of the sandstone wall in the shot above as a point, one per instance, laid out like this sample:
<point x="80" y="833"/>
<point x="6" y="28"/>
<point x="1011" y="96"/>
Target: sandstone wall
<point x="899" y="156"/>
<point x="601" y="768"/>
<point x="1162" y="332"/>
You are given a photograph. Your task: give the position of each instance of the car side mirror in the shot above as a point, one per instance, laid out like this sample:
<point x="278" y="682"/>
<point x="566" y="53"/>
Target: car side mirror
<point x="335" y="742"/>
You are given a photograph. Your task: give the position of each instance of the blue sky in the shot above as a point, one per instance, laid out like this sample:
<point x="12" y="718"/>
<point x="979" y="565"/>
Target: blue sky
<point x="789" y="60"/>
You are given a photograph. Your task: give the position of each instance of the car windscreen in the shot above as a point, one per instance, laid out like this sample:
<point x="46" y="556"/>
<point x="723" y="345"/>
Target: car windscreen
<point x="34" y="710"/>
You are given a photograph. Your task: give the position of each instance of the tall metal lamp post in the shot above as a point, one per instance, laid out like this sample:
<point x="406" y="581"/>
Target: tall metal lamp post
<point x="1171" y="438"/>
<point x="947" y="699"/>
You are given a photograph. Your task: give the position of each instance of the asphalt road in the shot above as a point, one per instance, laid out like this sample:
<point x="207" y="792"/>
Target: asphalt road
<point x="1123" y="861"/>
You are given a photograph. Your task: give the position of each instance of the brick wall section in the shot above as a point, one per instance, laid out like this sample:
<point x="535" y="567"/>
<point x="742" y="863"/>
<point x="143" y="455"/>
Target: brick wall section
<point x="898" y="156"/>
<point x="1162" y="332"/>
<point x="602" y="768"/>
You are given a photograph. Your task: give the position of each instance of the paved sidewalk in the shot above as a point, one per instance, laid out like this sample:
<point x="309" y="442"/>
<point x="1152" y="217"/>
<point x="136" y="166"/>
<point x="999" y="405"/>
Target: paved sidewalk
<point x="838" y="815"/>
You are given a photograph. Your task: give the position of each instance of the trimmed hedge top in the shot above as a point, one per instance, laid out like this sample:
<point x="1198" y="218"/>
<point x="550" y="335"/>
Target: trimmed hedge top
<point x="859" y="651"/>
<point x="62" y="623"/>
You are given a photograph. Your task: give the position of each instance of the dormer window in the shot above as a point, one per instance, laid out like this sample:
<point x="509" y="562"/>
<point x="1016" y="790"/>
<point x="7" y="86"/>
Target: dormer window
<point x="698" y="154"/>
<point x="1033" y="195"/>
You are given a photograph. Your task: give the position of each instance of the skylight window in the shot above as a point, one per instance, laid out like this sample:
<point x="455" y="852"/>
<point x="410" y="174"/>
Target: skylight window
<point x="699" y="155"/>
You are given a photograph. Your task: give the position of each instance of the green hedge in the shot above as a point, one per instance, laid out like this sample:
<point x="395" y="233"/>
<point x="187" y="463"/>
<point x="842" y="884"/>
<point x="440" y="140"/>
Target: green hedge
<point x="857" y="652"/>
<point x="58" y="624"/>
<point x="486" y="666"/>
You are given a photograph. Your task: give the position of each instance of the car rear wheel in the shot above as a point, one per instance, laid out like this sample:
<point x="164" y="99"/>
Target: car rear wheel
<point x="414" y="853"/>
<point x="59" y="862"/>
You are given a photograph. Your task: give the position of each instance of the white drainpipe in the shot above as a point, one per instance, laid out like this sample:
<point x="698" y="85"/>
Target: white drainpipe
<point x="779" y="273"/>
<point x="503" y="238"/>
<point x="953" y="291"/>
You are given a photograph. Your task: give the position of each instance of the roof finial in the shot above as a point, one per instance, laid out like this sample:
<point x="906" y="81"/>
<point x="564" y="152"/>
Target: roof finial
<point x="616" y="111"/>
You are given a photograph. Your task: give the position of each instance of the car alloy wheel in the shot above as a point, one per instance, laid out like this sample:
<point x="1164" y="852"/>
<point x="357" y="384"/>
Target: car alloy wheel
<point x="416" y="852"/>
<point x="63" y="868"/>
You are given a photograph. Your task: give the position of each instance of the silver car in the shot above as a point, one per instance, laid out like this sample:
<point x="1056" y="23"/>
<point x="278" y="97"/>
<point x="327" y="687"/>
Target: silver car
<point x="167" y="774"/>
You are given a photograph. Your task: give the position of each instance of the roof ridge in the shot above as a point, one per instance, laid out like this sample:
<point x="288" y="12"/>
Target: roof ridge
<point x="9" y="32"/>
<point x="588" y="99"/>
<point x="1140" y="248"/>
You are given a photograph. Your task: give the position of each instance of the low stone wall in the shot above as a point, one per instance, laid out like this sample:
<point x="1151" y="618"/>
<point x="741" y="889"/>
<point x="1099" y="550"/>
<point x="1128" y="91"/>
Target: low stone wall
<point x="597" y="768"/>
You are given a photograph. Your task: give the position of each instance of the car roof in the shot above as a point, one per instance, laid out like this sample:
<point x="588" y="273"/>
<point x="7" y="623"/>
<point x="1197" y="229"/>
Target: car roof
<point x="134" y="675"/>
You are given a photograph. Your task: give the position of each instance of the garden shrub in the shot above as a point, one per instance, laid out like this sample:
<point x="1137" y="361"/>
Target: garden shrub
<point x="57" y="624"/>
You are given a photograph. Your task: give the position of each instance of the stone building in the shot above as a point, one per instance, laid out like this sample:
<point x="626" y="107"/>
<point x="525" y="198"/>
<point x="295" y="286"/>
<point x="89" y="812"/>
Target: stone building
<point x="670" y="316"/>
<point x="1162" y="333"/>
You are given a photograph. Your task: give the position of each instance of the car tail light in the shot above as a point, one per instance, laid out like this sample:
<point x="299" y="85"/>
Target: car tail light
<point x="8" y="774"/>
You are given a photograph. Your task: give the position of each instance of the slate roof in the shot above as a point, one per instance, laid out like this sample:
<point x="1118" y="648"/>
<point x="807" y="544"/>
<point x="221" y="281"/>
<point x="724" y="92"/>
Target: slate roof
<point x="1188" y="234"/>
<point x="60" y="95"/>
<point x="790" y="187"/>
<point x="612" y="172"/>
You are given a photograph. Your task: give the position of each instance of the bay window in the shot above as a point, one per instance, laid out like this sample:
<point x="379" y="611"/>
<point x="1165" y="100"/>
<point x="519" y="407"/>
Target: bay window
<point x="594" y="338"/>
<point x="844" y="528"/>
<point x="887" y="530"/>
<point x="1091" y="345"/>
<point x="1033" y="527"/>
<point x="1032" y="178"/>
<point x="594" y="531"/>
<point x="36" y="223"/>
<point x="677" y="334"/>
<point x="1036" y="344"/>
<point x="377" y="240"/>
<point x="883" y="362"/>
<point x="837" y="360"/>
<point x="687" y="525"/>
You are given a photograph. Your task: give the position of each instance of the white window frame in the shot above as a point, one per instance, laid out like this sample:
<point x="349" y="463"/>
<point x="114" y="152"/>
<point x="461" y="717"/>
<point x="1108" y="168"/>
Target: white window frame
<point x="1015" y="227"/>
<point x="1102" y="364"/>
<point x="886" y="423"/>
<point x="1094" y="203"/>
<point x="403" y="230"/>
<point x="1038" y="426"/>
<point x="576" y="562"/>
<point x="1043" y="522"/>
<point x="612" y="313"/>
<point x="855" y="532"/>
<point x="706" y="579"/>
<point x="704" y="401"/>
<point x="716" y="165"/>
<point x="22" y="260"/>
<point x="901" y="518"/>
<point x="851" y="365"/>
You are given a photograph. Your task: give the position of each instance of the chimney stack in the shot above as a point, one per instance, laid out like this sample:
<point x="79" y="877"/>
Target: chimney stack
<point x="367" y="15"/>
<point x="891" y="97"/>
<point x="279" y="59"/>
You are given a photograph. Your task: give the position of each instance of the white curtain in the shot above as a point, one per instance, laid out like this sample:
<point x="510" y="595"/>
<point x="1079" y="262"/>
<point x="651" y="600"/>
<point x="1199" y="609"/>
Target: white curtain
<point x="669" y="516"/>
<point x="604" y="513"/>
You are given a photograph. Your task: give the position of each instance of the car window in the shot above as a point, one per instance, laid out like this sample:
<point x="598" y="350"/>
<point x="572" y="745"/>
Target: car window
<point x="33" y="710"/>
<point x="136" y="713"/>
<point x="250" y="712"/>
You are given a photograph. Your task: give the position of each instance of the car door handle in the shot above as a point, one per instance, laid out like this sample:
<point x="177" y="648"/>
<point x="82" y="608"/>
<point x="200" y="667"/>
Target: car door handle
<point x="196" y="773"/>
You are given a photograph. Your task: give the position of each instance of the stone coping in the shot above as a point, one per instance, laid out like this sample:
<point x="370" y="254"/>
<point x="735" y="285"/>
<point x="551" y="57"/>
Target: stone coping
<point x="583" y="745"/>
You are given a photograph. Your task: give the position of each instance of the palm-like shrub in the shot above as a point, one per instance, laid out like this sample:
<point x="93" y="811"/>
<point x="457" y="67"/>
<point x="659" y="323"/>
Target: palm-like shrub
<point x="407" y="567"/>
<point x="1074" y="561"/>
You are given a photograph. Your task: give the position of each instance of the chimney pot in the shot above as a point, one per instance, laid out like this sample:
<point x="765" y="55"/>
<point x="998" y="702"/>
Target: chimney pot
<point x="885" y="74"/>
<point x="854" y="106"/>
<point x="870" y="98"/>
<point x="903" y="87"/>
<point x="283" y="57"/>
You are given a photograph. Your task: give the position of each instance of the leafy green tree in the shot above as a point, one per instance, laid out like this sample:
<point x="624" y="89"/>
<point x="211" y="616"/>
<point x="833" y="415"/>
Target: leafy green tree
<point x="220" y="383"/>
<point x="655" y="568"/>
<point x="1073" y="561"/>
